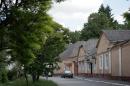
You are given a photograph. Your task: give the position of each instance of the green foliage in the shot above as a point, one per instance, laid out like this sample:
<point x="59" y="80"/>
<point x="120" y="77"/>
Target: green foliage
<point x="24" y="24"/>
<point x="21" y="82"/>
<point x="4" y="76"/>
<point x="96" y="23"/>
<point x="12" y="74"/>
<point x="74" y="36"/>
<point x="3" y="64"/>
<point x="24" y="28"/>
<point x="47" y="56"/>
<point x="15" y="72"/>
<point x="127" y="19"/>
<point x="107" y="11"/>
<point x="55" y="44"/>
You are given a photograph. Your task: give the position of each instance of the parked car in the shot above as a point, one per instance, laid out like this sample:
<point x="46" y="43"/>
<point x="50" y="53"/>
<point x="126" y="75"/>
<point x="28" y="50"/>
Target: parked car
<point x="67" y="73"/>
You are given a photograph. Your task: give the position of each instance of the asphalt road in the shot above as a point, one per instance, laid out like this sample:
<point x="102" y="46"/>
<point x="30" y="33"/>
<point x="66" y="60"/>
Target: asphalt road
<point x="86" y="82"/>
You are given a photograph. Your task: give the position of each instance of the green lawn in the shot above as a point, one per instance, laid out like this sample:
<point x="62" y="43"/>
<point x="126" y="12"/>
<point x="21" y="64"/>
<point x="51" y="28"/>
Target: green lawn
<point x="21" y="82"/>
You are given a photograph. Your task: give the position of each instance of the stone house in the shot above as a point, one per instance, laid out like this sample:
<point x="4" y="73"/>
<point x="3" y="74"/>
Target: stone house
<point x="113" y="54"/>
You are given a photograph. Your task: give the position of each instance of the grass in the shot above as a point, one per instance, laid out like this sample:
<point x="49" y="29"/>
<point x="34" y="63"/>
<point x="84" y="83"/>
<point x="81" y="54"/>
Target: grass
<point x="21" y="82"/>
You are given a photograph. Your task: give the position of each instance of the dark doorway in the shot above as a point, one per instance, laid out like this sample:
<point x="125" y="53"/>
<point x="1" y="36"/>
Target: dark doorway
<point x="91" y="67"/>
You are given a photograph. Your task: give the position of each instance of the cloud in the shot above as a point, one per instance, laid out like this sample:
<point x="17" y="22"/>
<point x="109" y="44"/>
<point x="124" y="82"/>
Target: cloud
<point x="119" y="15"/>
<point x="74" y="13"/>
<point x="119" y="18"/>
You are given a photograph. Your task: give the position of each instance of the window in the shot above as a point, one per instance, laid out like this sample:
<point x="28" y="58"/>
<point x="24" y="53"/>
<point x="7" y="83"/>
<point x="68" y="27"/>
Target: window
<point x="88" y="66"/>
<point x="104" y="61"/>
<point x="94" y="66"/>
<point x="83" y="68"/>
<point x="106" y="58"/>
<point x="101" y="62"/>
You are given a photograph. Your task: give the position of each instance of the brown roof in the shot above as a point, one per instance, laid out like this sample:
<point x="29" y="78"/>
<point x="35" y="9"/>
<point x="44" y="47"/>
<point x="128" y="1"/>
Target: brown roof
<point x="117" y="35"/>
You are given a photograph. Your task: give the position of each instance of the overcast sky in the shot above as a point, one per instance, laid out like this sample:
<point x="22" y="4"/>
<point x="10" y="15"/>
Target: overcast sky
<point x="74" y="13"/>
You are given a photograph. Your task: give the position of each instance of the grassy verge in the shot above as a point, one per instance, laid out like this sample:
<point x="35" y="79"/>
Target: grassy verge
<point x="21" y="82"/>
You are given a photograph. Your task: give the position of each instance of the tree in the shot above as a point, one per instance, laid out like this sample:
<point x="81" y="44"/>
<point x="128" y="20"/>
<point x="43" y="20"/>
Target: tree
<point x="3" y="64"/>
<point x="47" y="60"/>
<point x="24" y="26"/>
<point x="96" y="23"/>
<point x="127" y="19"/>
<point x="74" y="36"/>
<point x="107" y="11"/>
<point x="25" y="46"/>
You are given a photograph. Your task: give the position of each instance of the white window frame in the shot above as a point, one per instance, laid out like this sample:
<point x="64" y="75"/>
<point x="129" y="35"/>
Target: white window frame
<point x="101" y="62"/>
<point x="106" y="61"/>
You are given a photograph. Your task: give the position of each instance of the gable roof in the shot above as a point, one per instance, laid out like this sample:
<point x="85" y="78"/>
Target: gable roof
<point x="93" y="51"/>
<point x="90" y="45"/>
<point x="117" y="35"/>
<point x="73" y="49"/>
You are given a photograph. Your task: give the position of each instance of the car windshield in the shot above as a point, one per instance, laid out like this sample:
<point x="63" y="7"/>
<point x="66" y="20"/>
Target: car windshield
<point x="67" y="71"/>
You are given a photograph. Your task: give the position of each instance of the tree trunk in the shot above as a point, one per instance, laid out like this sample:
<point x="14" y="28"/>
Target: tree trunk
<point x="33" y="77"/>
<point x="37" y="77"/>
<point x="26" y="78"/>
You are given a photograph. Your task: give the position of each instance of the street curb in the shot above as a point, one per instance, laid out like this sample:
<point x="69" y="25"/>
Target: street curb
<point x="106" y="82"/>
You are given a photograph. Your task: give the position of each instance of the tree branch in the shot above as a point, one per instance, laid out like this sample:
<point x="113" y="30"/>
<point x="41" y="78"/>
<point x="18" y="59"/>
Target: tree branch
<point x="16" y="3"/>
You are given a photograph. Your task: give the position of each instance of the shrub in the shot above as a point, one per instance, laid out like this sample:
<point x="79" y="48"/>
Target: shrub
<point x="3" y="75"/>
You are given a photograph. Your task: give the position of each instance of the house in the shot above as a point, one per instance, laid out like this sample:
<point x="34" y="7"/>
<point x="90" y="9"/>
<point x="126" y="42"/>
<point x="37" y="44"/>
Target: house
<point x="69" y="58"/>
<point x="79" y="58"/>
<point x="113" y="54"/>
<point x="86" y="58"/>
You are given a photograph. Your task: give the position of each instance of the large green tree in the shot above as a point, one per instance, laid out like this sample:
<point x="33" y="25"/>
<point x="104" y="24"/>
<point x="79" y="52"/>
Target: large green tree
<point x="24" y="27"/>
<point x="54" y="45"/>
<point x="107" y="11"/>
<point x="96" y="23"/>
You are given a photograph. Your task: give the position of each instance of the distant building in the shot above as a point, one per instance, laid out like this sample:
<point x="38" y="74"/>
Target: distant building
<point x="79" y="58"/>
<point x="87" y="58"/>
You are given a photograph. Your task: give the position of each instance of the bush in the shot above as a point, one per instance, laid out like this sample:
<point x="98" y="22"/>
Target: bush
<point x="3" y="76"/>
<point x="12" y="75"/>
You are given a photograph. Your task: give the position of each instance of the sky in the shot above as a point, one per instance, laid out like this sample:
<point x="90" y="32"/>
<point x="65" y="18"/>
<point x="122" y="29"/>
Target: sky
<point x="73" y="14"/>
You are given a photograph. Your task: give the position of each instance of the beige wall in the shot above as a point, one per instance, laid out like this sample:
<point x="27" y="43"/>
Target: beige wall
<point x="61" y="69"/>
<point x="103" y="45"/>
<point x="102" y="49"/>
<point x="81" y="62"/>
<point x="126" y="60"/>
<point x="115" y="61"/>
<point x="68" y="63"/>
<point x="97" y="64"/>
<point x="81" y="56"/>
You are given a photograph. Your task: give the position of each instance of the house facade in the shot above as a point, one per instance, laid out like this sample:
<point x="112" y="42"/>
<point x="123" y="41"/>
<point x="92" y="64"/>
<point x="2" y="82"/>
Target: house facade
<point x="113" y="54"/>
<point x="69" y="58"/>
<point x="79" y="58"/>
<point x="86" y="58"/>
<point x="107" y="57"/>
